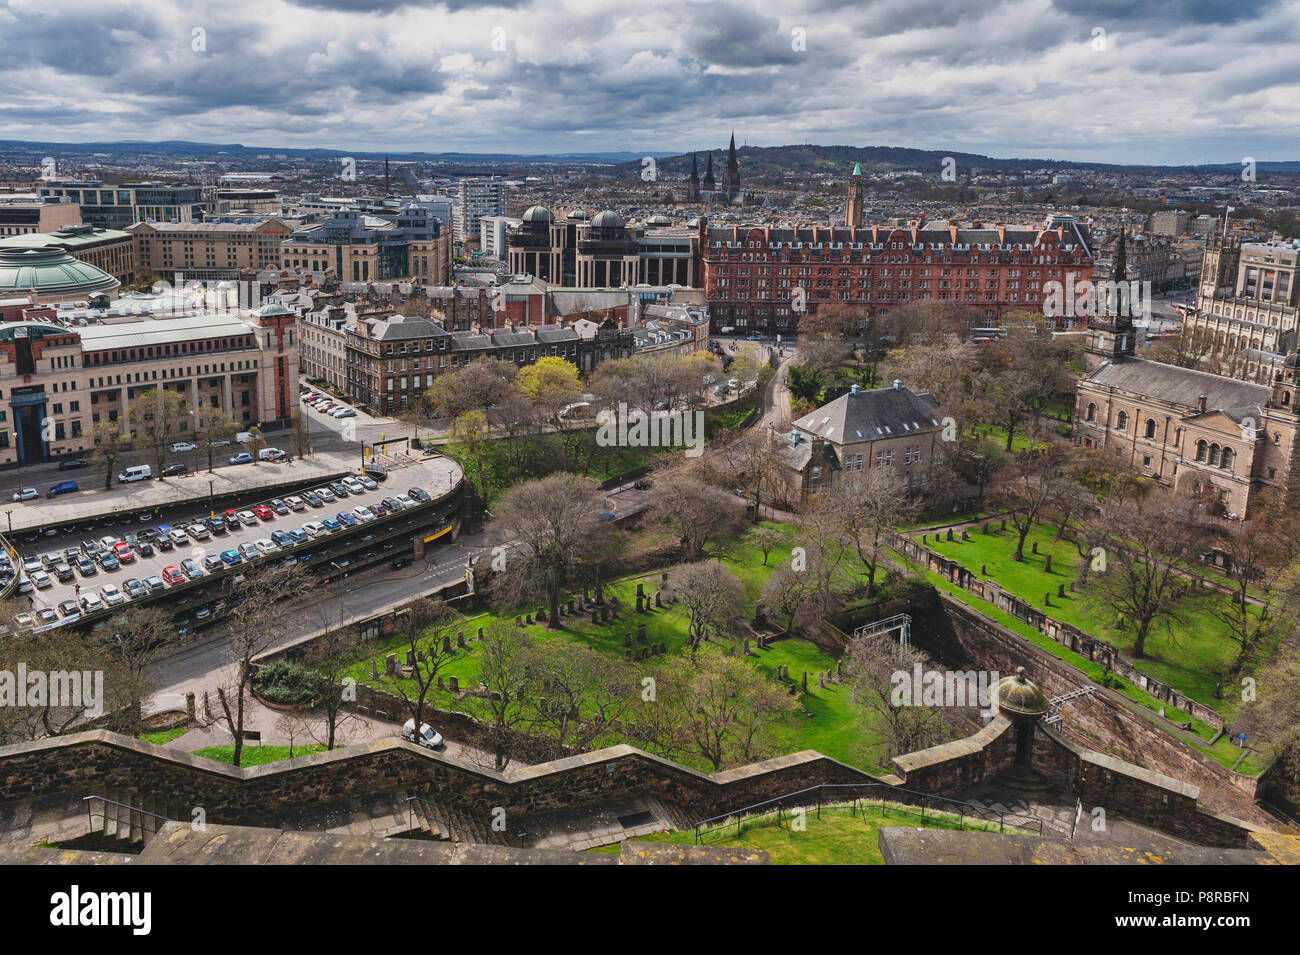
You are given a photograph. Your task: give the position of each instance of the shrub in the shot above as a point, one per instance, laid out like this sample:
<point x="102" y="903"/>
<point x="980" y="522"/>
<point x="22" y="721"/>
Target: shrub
<point x="287" y="684"/>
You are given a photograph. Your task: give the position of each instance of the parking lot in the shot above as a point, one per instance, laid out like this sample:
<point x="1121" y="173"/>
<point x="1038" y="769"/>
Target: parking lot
<point x="98" y="564"/>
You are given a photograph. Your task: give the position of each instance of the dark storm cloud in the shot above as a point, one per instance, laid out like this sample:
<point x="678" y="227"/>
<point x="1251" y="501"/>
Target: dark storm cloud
<point x="1169" y="14"/>
<point x="730" y="34"/>
<point x="391" y="6"/>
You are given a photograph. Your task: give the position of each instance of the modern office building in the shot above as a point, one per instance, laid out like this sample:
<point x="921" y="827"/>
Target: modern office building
<point x="28" y="213"/>
<point x="409" y="244"/>
<point x="118" y="206"/>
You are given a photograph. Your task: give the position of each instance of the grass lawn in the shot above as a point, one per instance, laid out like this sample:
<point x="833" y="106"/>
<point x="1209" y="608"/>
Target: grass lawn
<point x="836" y="727"/>
<point x="163" y="737"/>
<point x="838" y="837"/>
<point x="1187" y="659"/>
<point x="1223" y="751"/>
<point x="254" y="755"/>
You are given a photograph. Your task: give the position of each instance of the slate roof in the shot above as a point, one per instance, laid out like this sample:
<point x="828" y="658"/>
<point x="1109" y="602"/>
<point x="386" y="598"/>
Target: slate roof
<point x="872" y="416"/>
<point x="1181" y="387"/>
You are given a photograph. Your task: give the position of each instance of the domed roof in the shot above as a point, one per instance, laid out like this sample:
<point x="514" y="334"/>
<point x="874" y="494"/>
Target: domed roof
<point x="609" y="219"/>
<point x="1019" y="700"/>
<point x="579" y="214"/>
<point x="659" y="220"/>
<point x="537" y="214"/>
<point x="50" y="273"/>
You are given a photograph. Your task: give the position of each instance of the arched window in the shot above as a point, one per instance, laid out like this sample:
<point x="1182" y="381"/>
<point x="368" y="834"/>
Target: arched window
<point x="1151" y="427"/>
<point x="1092" y="412"/>
<point x="1202" y="448"/>
<point x="1121" y="421"/>
<point x="1214" y="455"/>
<point x="1227" y="459"/>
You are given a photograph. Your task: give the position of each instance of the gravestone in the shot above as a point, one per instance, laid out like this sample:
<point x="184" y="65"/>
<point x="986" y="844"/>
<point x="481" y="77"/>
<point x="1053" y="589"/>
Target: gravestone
<point x="1060" y="590"/>
<point x="627" y="655"/>
<point x="1035" y="548"/>
<point x="528" y="619"/>
<point x="640" y="590"/>
<point x="453" y="684"/>
<point x="1004" y="523"/>
<point x="965" y="535"/>
<point x="1047" y="599"/>
<point x="604" y="615"/>
<point x="663" y="579"/>
<point x="460" y="639"/>
<point x="541" y="615"/>
<point x="518" y="622"/>
<point x="1047" y="563"/>
<point x="570" y="606"/>
<point x="410" y="658"/>
<point x="441" y="683"/>
<point x="480" y="634"/>
<point x="446" y="643"/>
<point x="640" y="633"/>
<point x="805" y="681"/>
<point x="659" y="598"/>
<point x="390" y="664"/>
<point x="748" y="652"/>
<point x="950" y="533"/>
<point x="374" y="671"/>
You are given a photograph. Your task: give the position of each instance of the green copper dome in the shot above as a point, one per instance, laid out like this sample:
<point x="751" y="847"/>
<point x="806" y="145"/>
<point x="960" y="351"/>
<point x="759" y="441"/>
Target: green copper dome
<point x="50" y="273"/>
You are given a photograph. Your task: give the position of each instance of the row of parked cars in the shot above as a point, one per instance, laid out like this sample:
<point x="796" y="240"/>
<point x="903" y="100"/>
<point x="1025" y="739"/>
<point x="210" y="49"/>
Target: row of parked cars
<point x="327" y="405"/>
<point x="111" y="553"/>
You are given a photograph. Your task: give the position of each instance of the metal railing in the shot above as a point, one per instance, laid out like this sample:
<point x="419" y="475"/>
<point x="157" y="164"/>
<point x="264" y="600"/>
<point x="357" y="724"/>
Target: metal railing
<point x="863" y="797"/>
<point x="156" y="820"/>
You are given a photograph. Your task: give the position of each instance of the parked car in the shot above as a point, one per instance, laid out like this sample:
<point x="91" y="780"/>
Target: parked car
<point x="139" y="472"/>
<point x="281" y="539"/>
<point x="122" y="551"/>
<point x="172" y="470"/>
<point x="247" y="518"/>
<point x="331" y="524"/>
<point x="69" y="609"/>
<point x="191" y="569"/>
<point x="369" y="483"/>
<point x="231" y="557"/>
<point x="419" y="494"/>
<point x="25" y="494"/>
<point x="314" y="499"/>
<point x="46" y="615"/>
<point x="406" y="501"/>
<point x="212" y="562"/>
<point x="91" y="602"/>
<point x="271" y="454"/>
<point x="263" y="512"/>
<point x="249" y="551"/>
<point x="154" y="583"/>
<point x="296" y="503"/>
<point x="63" y="487"/>
<point x="75" y="464"/>
<point x="134" y="588"/>
<point x="112" y="596"/>
<point x="346" y="519"/>
<point x="297" y="535"/>
<point x="314" y="529"/>
<point x="181" y="447"/>
<point x="178" y="537"/>
<point x="363" y="514"/>
<point x="325" y="494"/>
<point x="87" y="567"/>
<point x="108" y="561"/>
<point x="427" y="736"/>
<point x="354" y="486"/>
<point x="279" y="506"/>
<point x="242" y="458"/>
<point x="42" y="580"/>
<point x="343" y="413"/>
<point x="339" y="490"/>
<point x="266" y="547"/>
<point x="172" y="574"/>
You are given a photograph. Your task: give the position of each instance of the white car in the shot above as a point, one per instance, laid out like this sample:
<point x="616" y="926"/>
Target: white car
<point x="247" y="518"/>
<point x="267" y="546"/>
<point x="354" y="485"/>
<point x="41" y="580"/>
<point x="343" y="413"/>
<point x="181" y="446"/>
<point x="26" y="494"/>
<point x="296" y="503"/>
<point x="429" y="737"/>
<point x="112" y="595"/>
<point x="406" y="500"/>
<point x="363" y="514"/>
<point x="314" y="529"/>
<point x="90" y="603"/>
<point x="178" y="537"/>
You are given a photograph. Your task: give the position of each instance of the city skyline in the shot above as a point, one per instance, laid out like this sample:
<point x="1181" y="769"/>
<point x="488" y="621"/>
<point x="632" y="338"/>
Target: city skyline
<point x="1185" y="83"/>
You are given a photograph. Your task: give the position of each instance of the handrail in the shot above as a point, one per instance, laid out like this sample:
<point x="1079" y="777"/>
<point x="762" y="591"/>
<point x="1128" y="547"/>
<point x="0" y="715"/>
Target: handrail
<point x="963" y="808"/>
<point x="90" y="812"/>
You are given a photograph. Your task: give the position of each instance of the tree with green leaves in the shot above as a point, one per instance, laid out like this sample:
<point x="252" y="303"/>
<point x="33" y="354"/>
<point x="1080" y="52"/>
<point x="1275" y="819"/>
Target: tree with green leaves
<point x="111" y="445"/>
<point x="158" y="418"/>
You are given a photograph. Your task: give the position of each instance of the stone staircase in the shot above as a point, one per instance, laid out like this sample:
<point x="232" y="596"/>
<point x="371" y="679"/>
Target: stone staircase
<point x="391" y="814"/>
<point x="123" y="820"/>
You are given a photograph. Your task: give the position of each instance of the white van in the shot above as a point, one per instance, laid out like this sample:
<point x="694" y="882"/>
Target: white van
<point x="270" y="454"/>
<point x="140" y="472"/>
<point x="428" y="735"/>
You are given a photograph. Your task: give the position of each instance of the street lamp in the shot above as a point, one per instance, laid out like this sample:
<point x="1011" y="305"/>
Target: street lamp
<point x="211" y="510"/>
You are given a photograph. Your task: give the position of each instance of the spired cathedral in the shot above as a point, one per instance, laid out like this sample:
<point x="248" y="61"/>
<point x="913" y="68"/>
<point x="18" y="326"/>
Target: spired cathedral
<point x="709" y="190"/>
<point x="1223" y="435"/>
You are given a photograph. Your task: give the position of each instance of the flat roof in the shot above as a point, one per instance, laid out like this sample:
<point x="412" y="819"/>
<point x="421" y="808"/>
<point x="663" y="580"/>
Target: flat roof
<point x="160" y="331"/>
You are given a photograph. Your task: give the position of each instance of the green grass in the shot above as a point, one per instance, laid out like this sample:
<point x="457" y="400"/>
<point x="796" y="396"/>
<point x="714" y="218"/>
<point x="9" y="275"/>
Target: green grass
<point x="256" y="755"/>
<point x="1187" y="659"/>
<point x="838" y="837"/>
<point x="1223" y="751"/>
<point x="163" y="737"/>
<point x="837" y="728"/>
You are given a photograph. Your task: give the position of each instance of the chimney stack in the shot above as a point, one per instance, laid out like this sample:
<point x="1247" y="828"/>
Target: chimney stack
<point x="1201" y="402"/>
<point x="898" y="384"/>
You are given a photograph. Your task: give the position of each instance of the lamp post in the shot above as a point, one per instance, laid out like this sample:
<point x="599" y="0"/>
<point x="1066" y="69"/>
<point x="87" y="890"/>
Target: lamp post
<point x="211" y="510"/>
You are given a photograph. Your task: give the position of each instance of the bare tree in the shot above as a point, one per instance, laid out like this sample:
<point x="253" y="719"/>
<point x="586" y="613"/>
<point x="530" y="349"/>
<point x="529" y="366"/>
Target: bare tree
<point x="755" y="464"/>
<point x="504" y="654"/>
<point x="859" y="508"/>
<point x="729" y="709"/>
<point x="476" y="386"/>
<point x="698" y="514"/>
<point x="426" y="629"/>
<point x="1025" y="491"/>
<point x="212" y="425"/>
<point x="874" y="668"/>
<point x="300" y="428"/>
<point x="712" y="597"/>
<point x="254" y="624"/>
<point x="111" y="444"/>
<point x="579" y="693"/>
<point x="158" y="418"/>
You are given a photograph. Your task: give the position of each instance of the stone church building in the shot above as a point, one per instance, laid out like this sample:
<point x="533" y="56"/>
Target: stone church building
<point x="1222" y="439"/>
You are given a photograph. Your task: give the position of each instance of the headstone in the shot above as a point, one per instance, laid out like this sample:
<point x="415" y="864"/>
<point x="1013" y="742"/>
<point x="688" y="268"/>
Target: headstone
<point x="410" y="658"/>
<point x="541" y="615"/>
<point x="604" y="615"/>
<point x="640" y="633"/>
<point x="659" y="598"/>
<point x="390" y="664"/>
<point x="748" y="652"/>
<point x="528" y="619"/>
<point x="627" y="655"/>
<point x="480" y="633"/>
<point x="805" y="681"/>
<point x="453" y="684"/>
<point x="984" y="570"/>
<point x="374" y="670"/>
<point x="518" y="622"/>
<point x="965" y="535"/>
<point x="446" y="643"/>
<point x="640" y="590"/>
<point x="1004" y="523"/>
<point x="639" y="604"/>
<point x="442" y="684"/>
<point x="1060" y="590"/>
<point x="950" y="533"/>
<point x="1035" y="548"/>
<point x="570" y="606"/>
<point x="1047" y="599"/>
<point x="663" y="578"/>
<point x="460" y="639"/>
<point x="189" y="699"/>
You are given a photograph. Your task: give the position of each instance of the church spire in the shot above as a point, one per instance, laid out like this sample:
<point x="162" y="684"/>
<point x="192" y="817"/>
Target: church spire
<point x="1119" y="268"/>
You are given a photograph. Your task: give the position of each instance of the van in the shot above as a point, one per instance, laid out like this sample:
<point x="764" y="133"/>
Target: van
<point x="63" y="487"/>
<point x="270" y="454"/>
<point x="428" y="736"/>
<point x="242" y="437"/>
<point x="140" y="472"/>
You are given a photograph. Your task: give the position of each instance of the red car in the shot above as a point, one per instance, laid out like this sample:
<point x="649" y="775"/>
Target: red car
<point x="173" y="575"/>
<point x="263" y="512"/>
<point x="230" y="513"/>
<point x="123" y="553"/>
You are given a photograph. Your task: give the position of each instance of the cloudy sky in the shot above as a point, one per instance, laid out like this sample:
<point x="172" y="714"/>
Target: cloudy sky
<point x="1117" y="80"/>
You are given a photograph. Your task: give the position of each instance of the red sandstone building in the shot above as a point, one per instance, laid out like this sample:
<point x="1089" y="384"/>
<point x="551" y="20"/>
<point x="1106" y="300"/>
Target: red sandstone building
<point x="755" y="277"/>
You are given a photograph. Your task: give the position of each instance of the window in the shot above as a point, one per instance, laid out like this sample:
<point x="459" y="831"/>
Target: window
<point x="1151" y="428"/>
<point x="1121" y="421"/>
<point x="1092" y="412"/>
<point x="1214" y="455"/>
<point x="1202" y="449"/>
<point x="1228" y="455"/>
